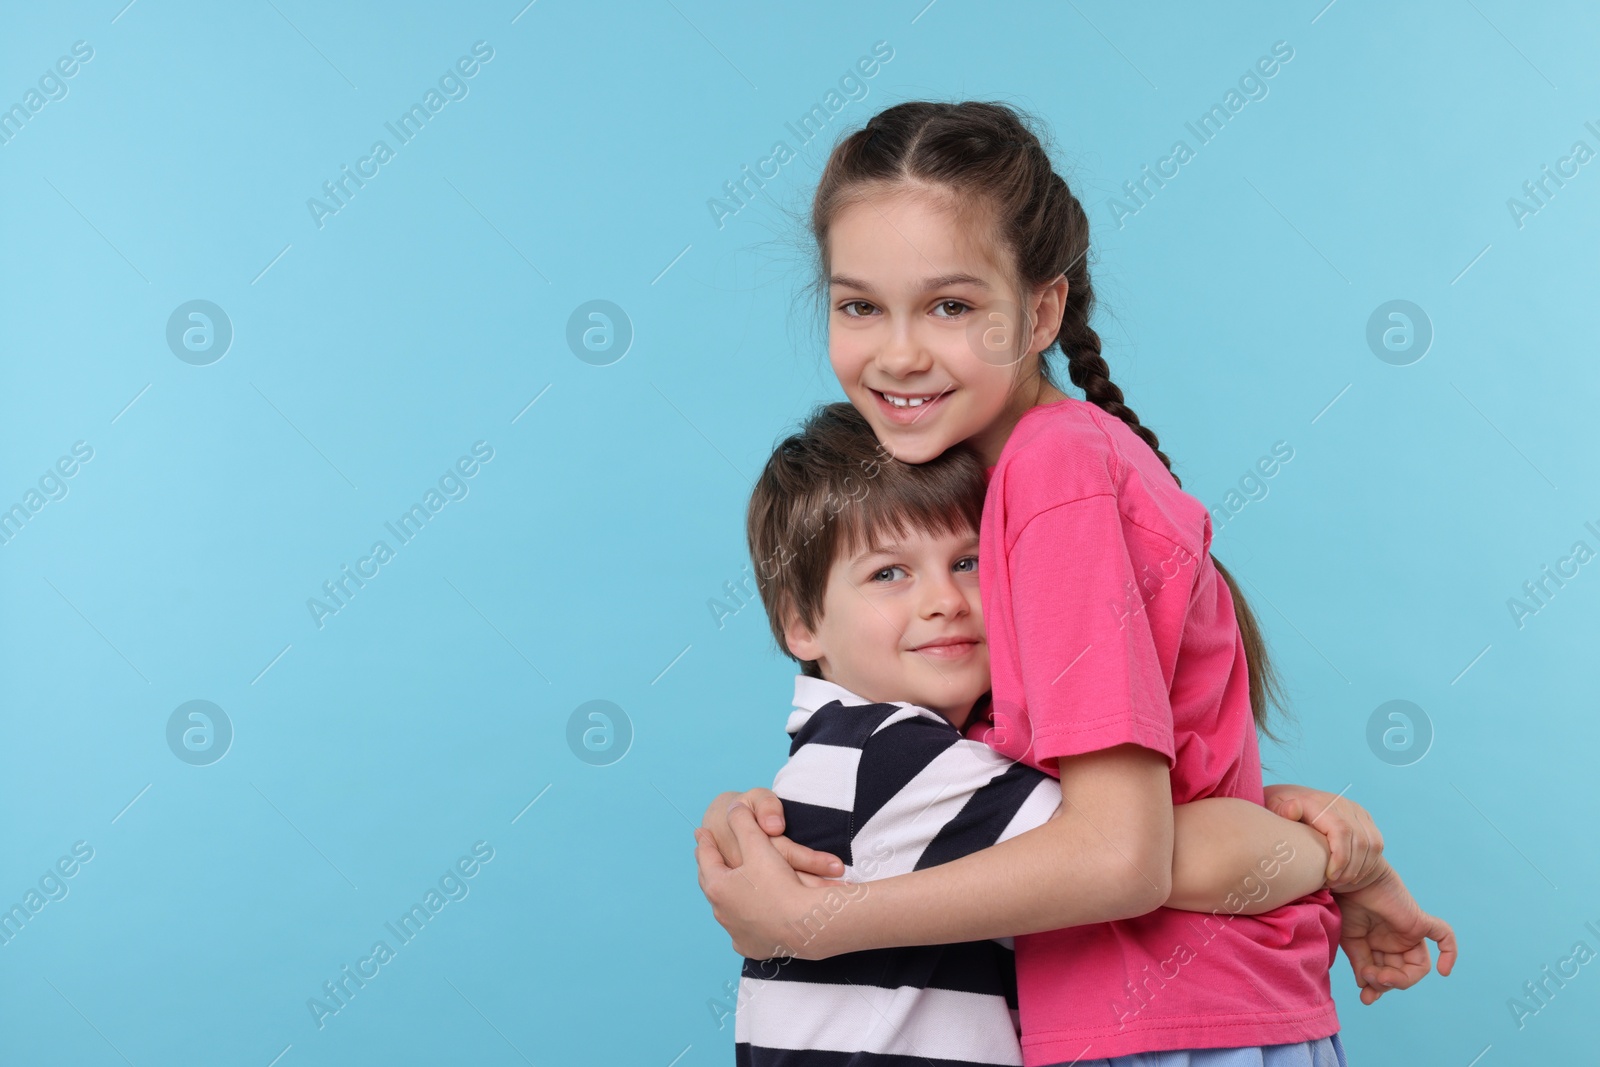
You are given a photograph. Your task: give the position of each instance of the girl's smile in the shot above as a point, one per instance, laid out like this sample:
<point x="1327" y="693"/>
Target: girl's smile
<point x="923" y="332"/>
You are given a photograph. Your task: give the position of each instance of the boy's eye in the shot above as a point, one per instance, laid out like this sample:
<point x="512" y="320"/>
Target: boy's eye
<point x="879" y="575"/>
<point x="967" y="564"/>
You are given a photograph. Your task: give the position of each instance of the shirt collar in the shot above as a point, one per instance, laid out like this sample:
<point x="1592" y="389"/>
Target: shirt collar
<point x="811" y="694"/>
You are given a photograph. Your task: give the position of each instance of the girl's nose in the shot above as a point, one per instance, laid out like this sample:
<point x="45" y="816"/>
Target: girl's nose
<point x="901" y="356"/>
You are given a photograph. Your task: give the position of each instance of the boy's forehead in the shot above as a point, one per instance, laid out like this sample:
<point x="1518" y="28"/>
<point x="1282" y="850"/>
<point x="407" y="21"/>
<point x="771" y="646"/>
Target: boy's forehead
<point x="857" y="544"/>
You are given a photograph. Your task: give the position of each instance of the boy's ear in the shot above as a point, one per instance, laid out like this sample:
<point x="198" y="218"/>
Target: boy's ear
<point x="801" y="641"/>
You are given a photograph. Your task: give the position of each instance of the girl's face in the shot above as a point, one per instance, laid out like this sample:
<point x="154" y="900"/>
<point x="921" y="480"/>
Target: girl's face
<point x="922" y="330"/>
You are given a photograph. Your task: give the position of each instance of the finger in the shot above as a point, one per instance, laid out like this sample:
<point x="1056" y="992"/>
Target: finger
<point x="1442" y="934"/>
<point x="808" y="860"/>
<point x="1359" y="953"/>
<point x="812" y="881"/>
<point x="716" y="822"/>
<point x="1286" y="808"/>
<point x="767" y="807"/>
<point x="752" y="840"/>
<point x="708" y="861"/>
<point x="1338" y="851"/>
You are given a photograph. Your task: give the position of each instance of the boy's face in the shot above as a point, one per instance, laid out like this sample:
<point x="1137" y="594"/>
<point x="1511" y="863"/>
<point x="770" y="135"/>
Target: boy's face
<point x="902" y="620"/>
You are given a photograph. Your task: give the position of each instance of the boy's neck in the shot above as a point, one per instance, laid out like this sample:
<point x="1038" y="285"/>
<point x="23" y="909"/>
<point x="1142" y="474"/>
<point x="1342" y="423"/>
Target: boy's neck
<point x="957" y="719"/>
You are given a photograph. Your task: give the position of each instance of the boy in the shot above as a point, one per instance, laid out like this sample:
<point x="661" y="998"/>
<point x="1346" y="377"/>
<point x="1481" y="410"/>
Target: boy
<point x="867" y="569"/>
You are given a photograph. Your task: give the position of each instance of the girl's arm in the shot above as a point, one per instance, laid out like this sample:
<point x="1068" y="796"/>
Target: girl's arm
<point x="1108" y="856"/>
<point x="1228" y="854"/>
<point x="1235" y="856"/>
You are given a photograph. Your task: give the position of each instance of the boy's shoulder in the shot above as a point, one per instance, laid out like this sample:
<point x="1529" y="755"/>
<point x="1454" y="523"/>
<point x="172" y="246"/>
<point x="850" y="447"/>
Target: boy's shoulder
<point x="826" y="713"/>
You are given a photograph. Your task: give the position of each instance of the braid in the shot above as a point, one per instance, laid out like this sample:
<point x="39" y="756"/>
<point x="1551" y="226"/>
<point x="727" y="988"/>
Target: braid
<point x="1087" y="367"/>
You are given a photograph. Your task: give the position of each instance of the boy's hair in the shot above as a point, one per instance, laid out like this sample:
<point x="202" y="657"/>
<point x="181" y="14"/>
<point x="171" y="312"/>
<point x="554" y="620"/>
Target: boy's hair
<point x="830" y="490"/>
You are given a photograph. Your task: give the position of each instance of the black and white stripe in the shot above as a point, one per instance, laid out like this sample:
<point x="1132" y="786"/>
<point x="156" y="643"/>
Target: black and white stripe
<point x="890" y="788"/>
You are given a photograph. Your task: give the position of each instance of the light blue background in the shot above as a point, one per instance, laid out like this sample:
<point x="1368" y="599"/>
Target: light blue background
<point x="372" y="352"/>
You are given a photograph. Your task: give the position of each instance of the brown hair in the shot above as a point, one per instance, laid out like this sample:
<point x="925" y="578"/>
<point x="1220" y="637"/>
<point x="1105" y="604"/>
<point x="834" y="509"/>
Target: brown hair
<point x="830" y="490"/>
<point x="993" y="168"/>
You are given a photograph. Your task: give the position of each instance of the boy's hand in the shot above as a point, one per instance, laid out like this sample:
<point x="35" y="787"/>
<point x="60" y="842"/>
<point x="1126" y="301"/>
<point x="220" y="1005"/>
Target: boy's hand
<point x="768" y="812"/>
<point x="1355" y="847"/>
<point x="1385" y="936"/>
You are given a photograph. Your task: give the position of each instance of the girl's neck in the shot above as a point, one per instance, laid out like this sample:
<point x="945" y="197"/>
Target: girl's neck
<point x="993" y="439"/>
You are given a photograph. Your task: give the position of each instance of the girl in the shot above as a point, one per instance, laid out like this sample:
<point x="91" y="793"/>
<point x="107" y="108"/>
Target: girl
<point x="1125" y="660"/>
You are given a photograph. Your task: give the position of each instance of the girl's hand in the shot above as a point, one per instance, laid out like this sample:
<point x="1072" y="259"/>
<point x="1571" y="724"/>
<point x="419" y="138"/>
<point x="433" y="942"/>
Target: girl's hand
<point x="768" y="811"/>
<point x="1355" y="847"/>
<point x="1385" y="936"/>
<point x="768" y="909"/>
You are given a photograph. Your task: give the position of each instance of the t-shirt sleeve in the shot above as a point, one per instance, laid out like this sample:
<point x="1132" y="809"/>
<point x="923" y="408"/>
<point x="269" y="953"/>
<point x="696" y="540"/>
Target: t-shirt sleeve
<point x="1091" y="674"/>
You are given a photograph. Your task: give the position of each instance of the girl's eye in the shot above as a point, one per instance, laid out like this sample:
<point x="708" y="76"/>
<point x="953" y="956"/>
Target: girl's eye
<point x="956" y="303"/>
<point x="967" y="564"/>
<point x="877" y="575"/>
<point x="853" y="303"/>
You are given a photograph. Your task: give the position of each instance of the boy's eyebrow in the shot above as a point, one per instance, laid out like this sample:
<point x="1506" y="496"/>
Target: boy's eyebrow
<point x="940" y="282"/>
<point x="877" y="549"/>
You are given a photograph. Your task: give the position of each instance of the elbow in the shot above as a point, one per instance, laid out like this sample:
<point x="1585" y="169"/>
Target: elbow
<point x="1143" y="877"/>
<point x="1157" y="886"/>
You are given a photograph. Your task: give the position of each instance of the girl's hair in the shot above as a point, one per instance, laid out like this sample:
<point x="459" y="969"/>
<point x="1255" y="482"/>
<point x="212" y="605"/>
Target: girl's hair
<point x="988" y="166"/>
<point x="829" y="491"/>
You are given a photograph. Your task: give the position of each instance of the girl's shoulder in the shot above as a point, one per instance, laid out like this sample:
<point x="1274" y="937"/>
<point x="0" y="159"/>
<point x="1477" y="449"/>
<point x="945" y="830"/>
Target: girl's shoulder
<point x="1070" y="450"/>
<point x="1063" y="450"/>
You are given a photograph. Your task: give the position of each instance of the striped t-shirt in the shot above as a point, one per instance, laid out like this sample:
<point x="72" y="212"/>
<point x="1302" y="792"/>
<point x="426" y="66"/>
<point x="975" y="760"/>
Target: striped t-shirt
<point x="889" y="788"/>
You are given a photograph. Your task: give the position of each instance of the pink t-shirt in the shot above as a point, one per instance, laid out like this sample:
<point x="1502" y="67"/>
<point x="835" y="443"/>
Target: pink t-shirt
<point x="1108" y="623"/>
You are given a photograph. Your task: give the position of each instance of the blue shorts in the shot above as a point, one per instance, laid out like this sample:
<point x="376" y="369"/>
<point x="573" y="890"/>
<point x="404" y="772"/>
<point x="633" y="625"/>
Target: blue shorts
<point x="1324" y="1052"/>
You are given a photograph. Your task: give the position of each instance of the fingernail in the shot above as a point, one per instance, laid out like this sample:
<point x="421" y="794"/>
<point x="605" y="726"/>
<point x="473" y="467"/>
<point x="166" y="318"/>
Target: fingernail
<point x="772" y="822"/>
<point x="836" y="867"/>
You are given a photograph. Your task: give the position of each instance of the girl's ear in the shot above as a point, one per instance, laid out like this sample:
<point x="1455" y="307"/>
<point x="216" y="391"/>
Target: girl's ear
<point x="1049" y="304"/>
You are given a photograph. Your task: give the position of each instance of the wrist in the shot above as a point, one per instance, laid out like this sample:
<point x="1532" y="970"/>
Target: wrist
<point x="1381" y="872"/>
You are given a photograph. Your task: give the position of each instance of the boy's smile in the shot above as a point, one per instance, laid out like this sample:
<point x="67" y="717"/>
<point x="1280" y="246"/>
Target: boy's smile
<point x="902" y="620"/>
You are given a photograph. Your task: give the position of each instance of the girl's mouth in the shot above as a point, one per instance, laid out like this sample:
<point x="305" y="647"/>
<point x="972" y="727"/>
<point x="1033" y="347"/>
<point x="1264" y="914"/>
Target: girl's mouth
<point x="908" y="408"/>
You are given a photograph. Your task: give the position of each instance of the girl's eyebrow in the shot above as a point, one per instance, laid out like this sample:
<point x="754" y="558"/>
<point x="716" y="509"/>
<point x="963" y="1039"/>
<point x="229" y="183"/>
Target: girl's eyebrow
<point x="928" y="284"/>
